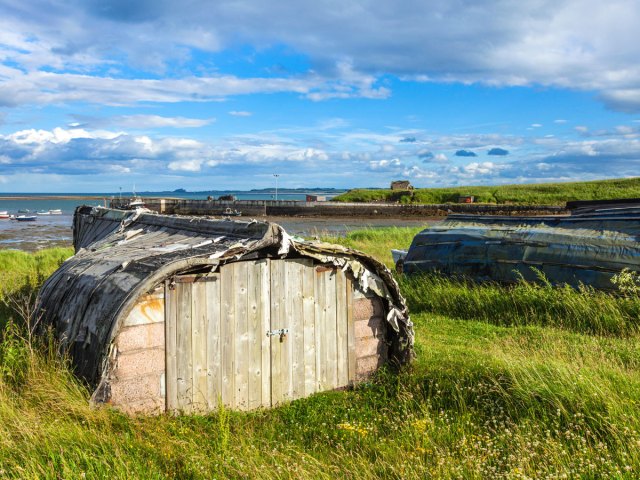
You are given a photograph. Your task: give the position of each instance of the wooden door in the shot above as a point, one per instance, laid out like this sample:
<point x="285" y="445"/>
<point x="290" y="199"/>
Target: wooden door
<point x="256" y="334"/>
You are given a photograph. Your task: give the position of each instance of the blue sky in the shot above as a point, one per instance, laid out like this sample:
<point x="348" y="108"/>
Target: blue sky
<point x="97" y="95"/>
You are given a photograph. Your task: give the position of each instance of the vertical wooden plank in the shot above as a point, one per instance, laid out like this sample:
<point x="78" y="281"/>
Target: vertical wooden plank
<point x="309" y="320"/>
<point x="295" y="324"/>
<point x="277" y="311"/>
<point x="241" y="351"/>
<point x="255" y="332"/>
<point x="321" y="337"/>
<point x="199" y="345"/>
<point x="342" y="356"/>
<point x="171" y="376"/>
<point x="330" y="330"/>
<point x="214" y="374"/>
<point x="351" y="331"/>
<point x="264" y="274"/>
<point x="227" y="330"/>
<point x="184" y="360"/>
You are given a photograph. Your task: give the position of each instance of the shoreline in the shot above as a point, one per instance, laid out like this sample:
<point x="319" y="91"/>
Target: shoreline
<point x="34" y="236"/>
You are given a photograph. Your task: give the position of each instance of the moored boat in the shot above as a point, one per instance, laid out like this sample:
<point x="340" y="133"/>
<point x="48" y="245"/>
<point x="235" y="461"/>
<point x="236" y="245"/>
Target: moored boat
<point x="586" y="248"/>
<point x="231" y="213"/>
<point x="55" y="211"/>
<point x="4" y="215"/>
<point x="26" y="218"/>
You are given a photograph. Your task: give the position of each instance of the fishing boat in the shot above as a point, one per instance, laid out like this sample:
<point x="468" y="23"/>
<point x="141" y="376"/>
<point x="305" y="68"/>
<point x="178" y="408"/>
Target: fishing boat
<point x="26" y="218"/>
<point x="43" y="213"/>
<point x="588" y="247"/>
<point x="4" y="215"/>
<point x="135" y="202"/>
<point x="55" y="211"/>
<point x="231" y="213"/>
<point x="24" y="210"/>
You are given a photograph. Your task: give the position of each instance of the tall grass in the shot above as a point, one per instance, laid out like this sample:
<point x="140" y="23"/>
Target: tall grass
<point x="488" y="397"/>
<point x="18" y="267"/>
<point x="531" y="194"/>
<point x="481" y="402"/>
<point x="22" y="274"/>
<point x="377" y="242"/>
<point x="524" y="303"/>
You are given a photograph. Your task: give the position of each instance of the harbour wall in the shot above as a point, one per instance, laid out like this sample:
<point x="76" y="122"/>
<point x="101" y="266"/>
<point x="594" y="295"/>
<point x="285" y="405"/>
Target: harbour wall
<point x="285" y="208"/>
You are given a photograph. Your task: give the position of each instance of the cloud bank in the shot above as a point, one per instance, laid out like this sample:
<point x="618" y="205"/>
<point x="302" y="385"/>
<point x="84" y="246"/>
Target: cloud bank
<point x="50" y="49"/>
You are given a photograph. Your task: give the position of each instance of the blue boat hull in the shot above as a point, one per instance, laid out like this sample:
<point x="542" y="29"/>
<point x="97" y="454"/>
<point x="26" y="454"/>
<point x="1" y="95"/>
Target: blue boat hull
<point x="571" y="250"/>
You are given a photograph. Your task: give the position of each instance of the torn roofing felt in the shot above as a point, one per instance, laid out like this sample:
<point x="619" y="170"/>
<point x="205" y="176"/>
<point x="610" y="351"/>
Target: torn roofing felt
<point x="121" y="255"/>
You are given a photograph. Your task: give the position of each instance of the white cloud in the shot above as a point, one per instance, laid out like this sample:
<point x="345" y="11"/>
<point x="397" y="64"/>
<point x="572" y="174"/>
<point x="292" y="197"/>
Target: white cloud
<point x="240" y="113"/>
<point x="19" y="88"/>
<point x="57" y="135"/>
<point x="481" y="168"/>
<point x="385" y="164"/>
<point x="416" y="172"/>
<point x="560" y="121"/>
<point x="114" y="155"/>
<point x="626" y="130"/>
<point x="157" y="121"/>
<point x="185" y="165"/>
<point x="541" y="42"/>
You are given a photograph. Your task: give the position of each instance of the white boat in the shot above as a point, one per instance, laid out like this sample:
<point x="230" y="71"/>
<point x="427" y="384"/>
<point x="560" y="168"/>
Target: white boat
<point x="4" y="215"/>
<point x="136" y="202"/>
<point x="55" y="211"/>
<point x="231" y="213"/>
<point x="42" y="213"/>
<point x="26" y="218"/>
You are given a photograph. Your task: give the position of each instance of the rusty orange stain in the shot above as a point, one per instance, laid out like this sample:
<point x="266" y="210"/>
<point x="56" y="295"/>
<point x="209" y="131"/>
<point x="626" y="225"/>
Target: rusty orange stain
<point x="151" y="304"/>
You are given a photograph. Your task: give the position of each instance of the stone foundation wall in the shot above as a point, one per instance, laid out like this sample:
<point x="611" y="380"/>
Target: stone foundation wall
<point x="337" y="209"/>
<point x="370" y="332"/>
<point x="137" y="378"/>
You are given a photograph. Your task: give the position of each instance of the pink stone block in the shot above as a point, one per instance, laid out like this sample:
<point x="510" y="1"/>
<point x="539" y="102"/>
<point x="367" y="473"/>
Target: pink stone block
<point x="140" y="337"/>
<point x="372" y="327"/>
<point x="362" y="309"/>
<point x="140" y="362"/>
<point x="370" y="346"/>
<point x="367" y="365"/>
<point x="127" y="391"/>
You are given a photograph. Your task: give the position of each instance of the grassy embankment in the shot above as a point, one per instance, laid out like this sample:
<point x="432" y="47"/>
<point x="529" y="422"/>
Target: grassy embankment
<point x="533" y="194"/>
<point x="521" y="382"/>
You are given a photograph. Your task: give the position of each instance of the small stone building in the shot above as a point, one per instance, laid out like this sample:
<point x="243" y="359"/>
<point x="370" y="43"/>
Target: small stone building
<point x="401" y="185"/>
<point x="167" y="313"/>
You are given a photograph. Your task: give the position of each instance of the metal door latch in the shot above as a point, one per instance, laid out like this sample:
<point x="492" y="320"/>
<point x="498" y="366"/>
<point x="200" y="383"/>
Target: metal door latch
<point x="281" y="332"/>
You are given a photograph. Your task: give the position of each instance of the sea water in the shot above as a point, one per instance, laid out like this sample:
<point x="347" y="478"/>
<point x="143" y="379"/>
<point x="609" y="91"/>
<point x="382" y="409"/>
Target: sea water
<point x="50" y="230"/>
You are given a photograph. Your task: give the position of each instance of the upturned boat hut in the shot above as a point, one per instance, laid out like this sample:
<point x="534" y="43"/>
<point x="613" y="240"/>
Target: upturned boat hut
<point x="167" y="313"/>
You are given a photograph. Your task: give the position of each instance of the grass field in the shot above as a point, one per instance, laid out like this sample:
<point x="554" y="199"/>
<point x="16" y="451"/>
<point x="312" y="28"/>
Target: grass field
<point x="519" y="382"/>
<point x="533" y="194"/>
